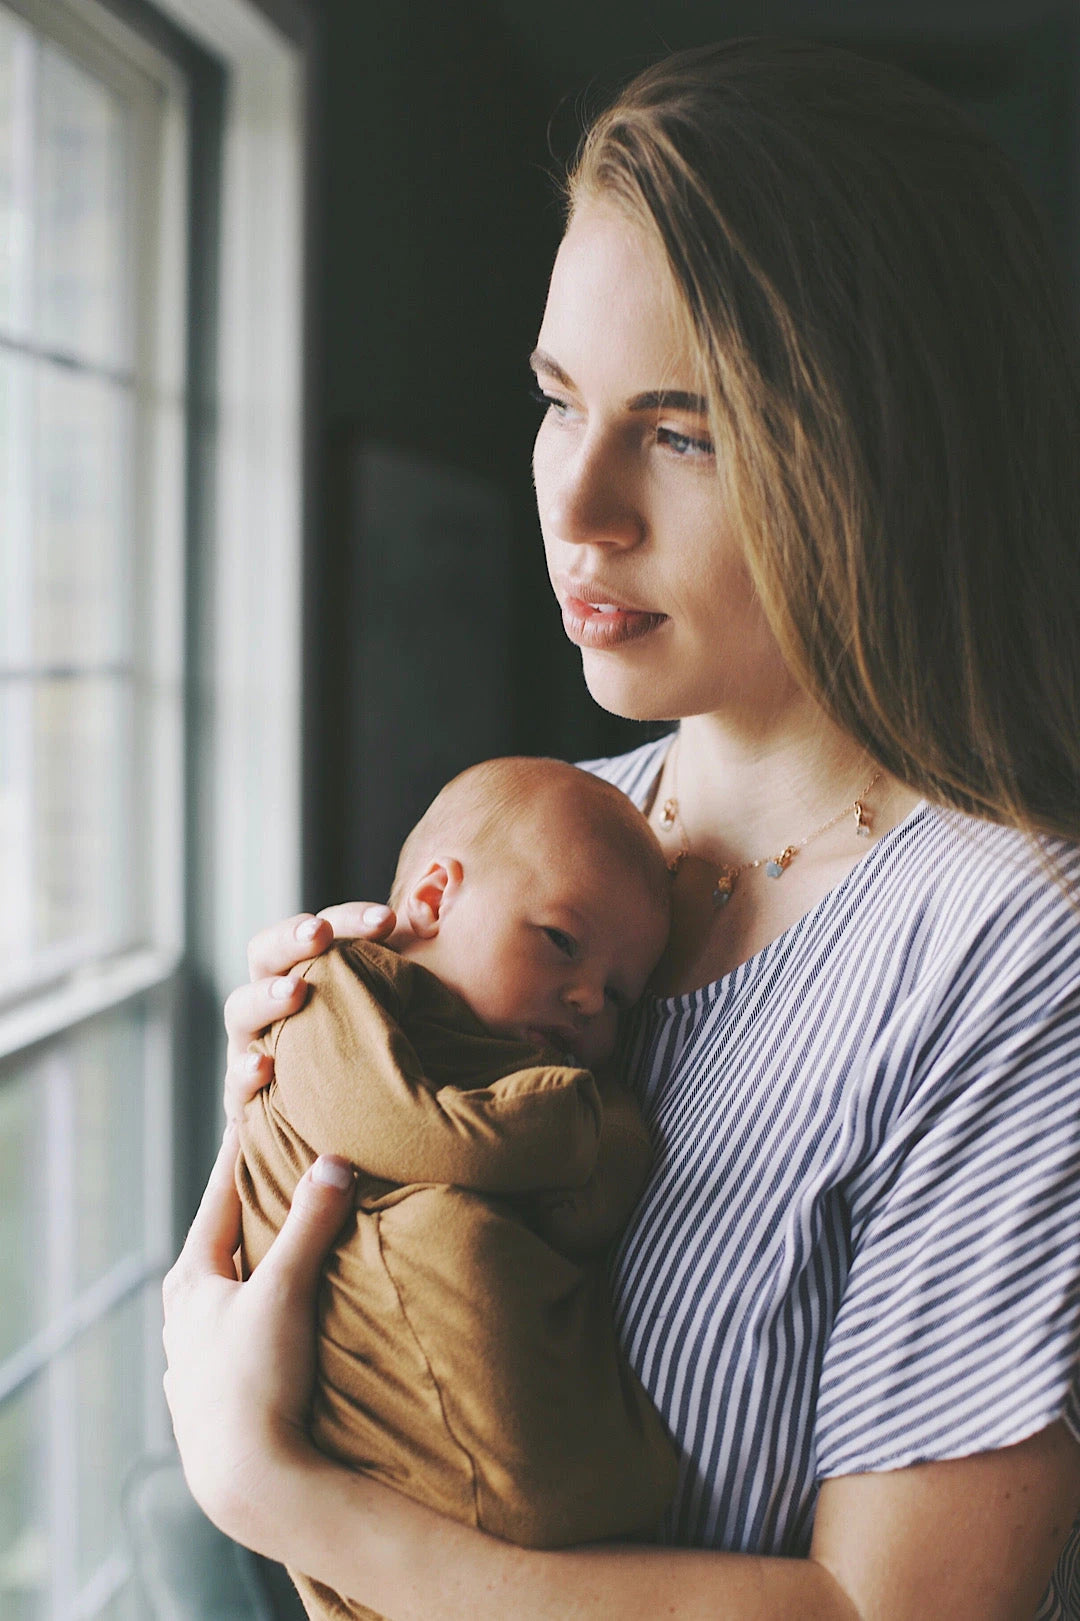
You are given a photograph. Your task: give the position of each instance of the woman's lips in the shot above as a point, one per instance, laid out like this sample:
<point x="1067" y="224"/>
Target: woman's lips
<point x="605" y="625"/>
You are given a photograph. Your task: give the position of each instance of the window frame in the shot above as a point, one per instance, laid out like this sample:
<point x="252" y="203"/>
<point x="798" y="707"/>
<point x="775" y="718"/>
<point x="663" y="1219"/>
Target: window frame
<point x="246" y="589"/>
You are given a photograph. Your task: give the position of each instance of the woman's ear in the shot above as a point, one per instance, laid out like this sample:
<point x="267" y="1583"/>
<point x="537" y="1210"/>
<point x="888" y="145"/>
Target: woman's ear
<point x="428" y="897"/>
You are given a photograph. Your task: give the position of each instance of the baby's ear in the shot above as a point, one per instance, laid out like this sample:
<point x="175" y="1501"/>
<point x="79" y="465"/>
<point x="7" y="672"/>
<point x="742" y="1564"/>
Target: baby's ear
<point x="430" y="894"/>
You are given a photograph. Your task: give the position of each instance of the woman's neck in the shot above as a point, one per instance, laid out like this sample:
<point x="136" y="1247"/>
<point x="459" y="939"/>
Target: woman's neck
<point x="741" y="793"/>
<point x="740" y="799"/>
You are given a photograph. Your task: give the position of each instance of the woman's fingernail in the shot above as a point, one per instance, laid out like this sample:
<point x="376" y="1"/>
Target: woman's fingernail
<point x="332" y="1173"/>
<point x="252" y="1063"/>
<point x="376" y="915"/>
<point x="282" y="989"/>
<point x="308" y="929"/>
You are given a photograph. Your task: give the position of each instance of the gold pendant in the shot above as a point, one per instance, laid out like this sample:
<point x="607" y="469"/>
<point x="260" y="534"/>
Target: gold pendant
<point x="778" y="865"/>
<point x="724" y="887"/>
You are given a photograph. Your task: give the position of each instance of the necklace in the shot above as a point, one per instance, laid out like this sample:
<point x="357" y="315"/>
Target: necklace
<point x="775" y="865"/>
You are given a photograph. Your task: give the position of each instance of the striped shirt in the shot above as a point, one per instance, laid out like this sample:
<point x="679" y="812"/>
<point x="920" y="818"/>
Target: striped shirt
<point x="860" y="1244"/>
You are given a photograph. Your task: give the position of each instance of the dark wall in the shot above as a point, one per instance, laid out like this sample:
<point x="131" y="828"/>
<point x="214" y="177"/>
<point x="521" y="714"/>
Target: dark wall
<point x="439" y="223"/>
<point x="438" y="125"/>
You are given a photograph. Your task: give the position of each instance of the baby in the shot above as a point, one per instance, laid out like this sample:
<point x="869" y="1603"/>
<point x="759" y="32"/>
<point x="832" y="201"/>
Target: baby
<point x="467" y="1354"/>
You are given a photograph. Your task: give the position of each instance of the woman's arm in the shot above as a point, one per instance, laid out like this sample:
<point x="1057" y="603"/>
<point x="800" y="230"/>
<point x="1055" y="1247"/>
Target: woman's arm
<point x="974" y="1539"/>
<point x="970" y="1541"/>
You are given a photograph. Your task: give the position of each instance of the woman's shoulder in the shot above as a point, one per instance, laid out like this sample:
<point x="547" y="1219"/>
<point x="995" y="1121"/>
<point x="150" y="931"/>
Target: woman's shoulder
<point x="634" y="772"/>
<point x="945" y="901"/>
<point x="958" y="943"/>
<point x="979" y="875"/>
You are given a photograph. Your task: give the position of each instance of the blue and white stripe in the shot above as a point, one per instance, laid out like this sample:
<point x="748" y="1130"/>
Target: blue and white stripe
<point x="860" y="1244"/>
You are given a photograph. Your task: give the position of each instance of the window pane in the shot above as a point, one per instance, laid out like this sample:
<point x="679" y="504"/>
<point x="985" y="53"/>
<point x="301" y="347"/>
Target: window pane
<point x="68" y="1440"/>
<point x="83" y="765"/>
<point x="22" y="1219"/>
<point x="82" y="587"/>
<point x="8" y="223"/>
<point x="16" y="829"/>
<point x="15" y="65"/>
<point x="72" y="1169"/>
<point x="67" y="780"/>
<point x="67" y="746"/>
<point x="108" y="1063"/>
<point x="125" y="1606"/>
<point x="16" y="531"/>
<point x="24" y="1539"/>
<point x="108" y="1371"/>
<point x="82" y="284"/>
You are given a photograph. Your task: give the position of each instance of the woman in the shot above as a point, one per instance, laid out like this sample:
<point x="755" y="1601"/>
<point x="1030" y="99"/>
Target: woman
<point x="807" y="480"/>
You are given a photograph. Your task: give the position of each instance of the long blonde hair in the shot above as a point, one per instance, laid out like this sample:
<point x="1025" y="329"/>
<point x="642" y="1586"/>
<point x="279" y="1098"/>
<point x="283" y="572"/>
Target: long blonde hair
<point x="894" y="388"/>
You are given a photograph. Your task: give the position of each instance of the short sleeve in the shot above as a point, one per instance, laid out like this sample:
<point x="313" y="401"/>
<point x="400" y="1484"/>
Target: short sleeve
<point x="958" y="1330"/>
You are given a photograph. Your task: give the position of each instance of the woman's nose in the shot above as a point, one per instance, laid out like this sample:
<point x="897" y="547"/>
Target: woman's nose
<point x="589" y="499"/>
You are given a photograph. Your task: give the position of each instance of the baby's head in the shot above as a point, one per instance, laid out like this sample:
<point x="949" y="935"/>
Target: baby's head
<point x="540" y="894"/>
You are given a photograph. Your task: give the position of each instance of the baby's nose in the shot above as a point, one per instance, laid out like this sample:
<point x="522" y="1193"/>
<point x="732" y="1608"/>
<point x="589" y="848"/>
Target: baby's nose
<point x="585" y="998"/>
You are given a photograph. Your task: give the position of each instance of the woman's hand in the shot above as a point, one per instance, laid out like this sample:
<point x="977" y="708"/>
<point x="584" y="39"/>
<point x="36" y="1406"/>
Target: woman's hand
<point x="276" y="991"/>
<point x="241" y="1356"/>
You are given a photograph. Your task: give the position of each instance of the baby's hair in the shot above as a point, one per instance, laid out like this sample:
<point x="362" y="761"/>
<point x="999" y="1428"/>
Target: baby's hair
<point x="481" y="810"/>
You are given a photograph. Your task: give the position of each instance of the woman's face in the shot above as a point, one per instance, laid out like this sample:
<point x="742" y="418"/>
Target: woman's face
<point x="641" y="553"/>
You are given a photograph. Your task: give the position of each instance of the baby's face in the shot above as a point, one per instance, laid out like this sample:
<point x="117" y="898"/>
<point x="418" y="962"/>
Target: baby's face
<point x="553" y="943"/>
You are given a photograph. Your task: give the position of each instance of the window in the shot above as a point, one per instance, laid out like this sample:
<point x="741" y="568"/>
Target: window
<point x="91" y="414"/>
<point x="133" y="863"/>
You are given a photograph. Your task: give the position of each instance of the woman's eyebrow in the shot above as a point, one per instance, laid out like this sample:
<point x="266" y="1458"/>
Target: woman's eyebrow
<point x="539" y="360"/>
<point x="669" y="399"/>
<point x="655" y="399"/>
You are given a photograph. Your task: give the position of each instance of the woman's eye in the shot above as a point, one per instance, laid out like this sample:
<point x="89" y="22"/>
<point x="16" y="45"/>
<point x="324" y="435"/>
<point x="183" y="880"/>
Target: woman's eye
<point x="683" y="444"/>
<point x="550" y="402"/>
<point x="562" y="942"/>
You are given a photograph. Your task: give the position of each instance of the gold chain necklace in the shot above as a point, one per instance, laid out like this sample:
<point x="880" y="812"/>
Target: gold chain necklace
<point x="775" y="865"/>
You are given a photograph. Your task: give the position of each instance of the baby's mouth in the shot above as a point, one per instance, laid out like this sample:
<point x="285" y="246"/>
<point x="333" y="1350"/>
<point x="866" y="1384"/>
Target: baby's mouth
<point x="548" y="1036"/>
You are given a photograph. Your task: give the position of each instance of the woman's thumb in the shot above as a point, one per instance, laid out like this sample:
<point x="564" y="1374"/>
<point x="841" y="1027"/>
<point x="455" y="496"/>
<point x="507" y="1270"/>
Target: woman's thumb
<point x="322" y="1200"/>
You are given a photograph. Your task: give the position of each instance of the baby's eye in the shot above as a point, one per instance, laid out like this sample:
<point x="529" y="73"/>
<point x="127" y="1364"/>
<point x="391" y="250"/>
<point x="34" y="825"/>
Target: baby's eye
<point x="613" y="995"/>
<point x="563" y="942"/>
